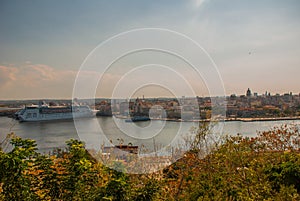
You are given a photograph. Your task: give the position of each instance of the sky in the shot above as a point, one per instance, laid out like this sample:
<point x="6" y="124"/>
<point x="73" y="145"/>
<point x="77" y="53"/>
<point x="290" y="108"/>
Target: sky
<point x="253" y="44"/>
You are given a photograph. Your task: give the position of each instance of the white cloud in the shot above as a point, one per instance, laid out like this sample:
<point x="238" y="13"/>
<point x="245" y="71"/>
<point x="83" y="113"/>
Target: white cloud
<point x="35" y="81"/>
<point x="38" y="81"/>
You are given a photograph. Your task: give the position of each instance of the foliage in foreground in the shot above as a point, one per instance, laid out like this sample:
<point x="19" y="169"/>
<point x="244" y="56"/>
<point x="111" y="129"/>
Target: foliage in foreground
<point x="263" y="168"/>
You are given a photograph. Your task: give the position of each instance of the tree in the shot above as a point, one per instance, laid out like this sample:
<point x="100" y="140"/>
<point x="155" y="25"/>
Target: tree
<point x="16" y="183"/>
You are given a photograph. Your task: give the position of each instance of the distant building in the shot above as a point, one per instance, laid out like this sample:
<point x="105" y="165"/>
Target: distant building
<point x="120" y="152"/>
<point x="248" y="93"/>
<point x="233" y="96"/>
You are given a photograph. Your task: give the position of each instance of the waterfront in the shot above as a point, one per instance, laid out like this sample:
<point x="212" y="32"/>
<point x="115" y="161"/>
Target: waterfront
<point x="53" y="134"/>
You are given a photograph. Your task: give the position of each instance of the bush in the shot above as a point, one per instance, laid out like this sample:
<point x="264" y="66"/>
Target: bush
<point x="263" y="168"/>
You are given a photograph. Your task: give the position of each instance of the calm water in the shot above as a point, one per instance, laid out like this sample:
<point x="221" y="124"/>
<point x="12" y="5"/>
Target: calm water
<point x="98" y="131"/>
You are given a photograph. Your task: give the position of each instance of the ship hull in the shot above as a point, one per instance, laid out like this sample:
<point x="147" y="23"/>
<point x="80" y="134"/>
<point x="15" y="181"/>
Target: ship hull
<point x="50" y="118"/>
<point x="36" y="114"/>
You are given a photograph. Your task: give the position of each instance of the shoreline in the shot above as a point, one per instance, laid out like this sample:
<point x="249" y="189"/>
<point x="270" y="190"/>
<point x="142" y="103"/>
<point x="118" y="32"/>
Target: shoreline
<point x="9" y="113"/>
<point x="237" y="119"/>
<point x="252" y="119"/>
<point x="263" y="119"/>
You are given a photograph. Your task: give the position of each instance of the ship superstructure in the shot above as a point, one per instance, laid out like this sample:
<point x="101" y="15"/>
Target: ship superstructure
<point x="44" y="112"/>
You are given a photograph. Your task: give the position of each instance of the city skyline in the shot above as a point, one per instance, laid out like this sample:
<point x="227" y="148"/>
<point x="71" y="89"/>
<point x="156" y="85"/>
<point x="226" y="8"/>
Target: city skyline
<point x="43" y="44"/>
<point x="253" y="94"/>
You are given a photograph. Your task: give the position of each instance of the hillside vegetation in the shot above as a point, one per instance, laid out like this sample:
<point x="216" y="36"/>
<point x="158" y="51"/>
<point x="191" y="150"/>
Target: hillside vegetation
<point x="263" y="168"/>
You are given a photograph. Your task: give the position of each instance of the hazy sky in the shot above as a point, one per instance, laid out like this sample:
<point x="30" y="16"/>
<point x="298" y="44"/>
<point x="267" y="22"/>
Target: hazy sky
<point x="254" y="43"/>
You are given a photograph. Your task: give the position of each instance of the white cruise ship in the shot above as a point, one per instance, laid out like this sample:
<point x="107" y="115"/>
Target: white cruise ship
<point x="43" y="112"/>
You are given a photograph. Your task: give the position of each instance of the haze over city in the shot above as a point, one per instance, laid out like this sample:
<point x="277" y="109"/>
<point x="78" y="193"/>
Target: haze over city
<point x="43" y="44"/>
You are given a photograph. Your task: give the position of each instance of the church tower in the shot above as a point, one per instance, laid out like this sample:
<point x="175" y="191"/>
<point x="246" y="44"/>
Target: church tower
<point x="248" y="93"/>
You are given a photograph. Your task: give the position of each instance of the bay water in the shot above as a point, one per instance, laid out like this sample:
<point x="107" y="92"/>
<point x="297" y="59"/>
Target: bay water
<point x="99" y="131"/>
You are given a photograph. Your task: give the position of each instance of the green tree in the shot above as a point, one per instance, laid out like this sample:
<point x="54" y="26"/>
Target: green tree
<point x="16" y="183"/>
<point x="286" y="172"/>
